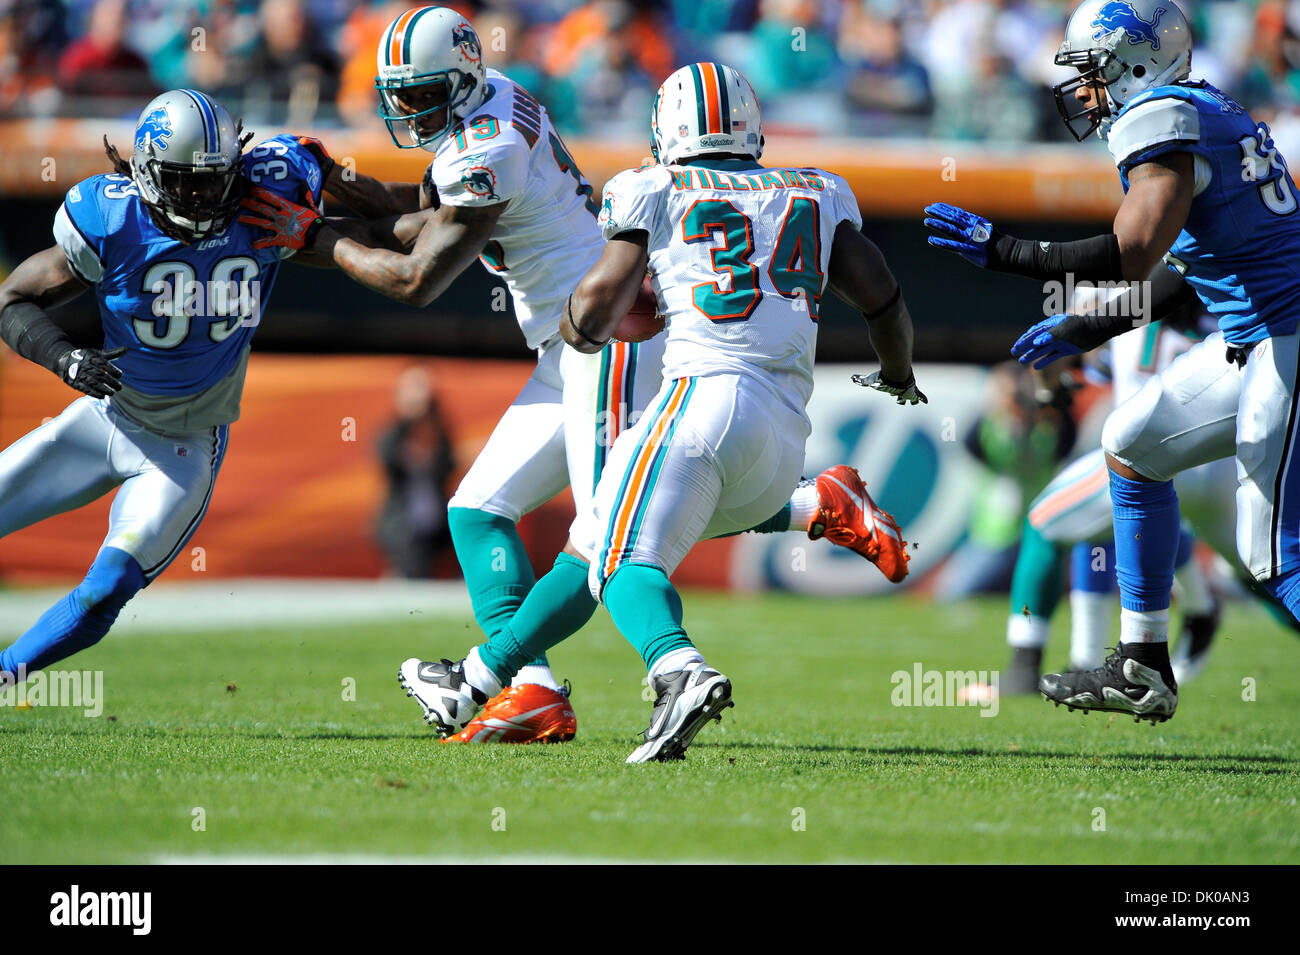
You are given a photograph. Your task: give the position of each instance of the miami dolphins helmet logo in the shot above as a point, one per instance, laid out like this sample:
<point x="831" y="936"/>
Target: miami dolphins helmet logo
<point x="464" y="37"/>
<point x="1120" y="15"/>
<point x="156" y="128"/>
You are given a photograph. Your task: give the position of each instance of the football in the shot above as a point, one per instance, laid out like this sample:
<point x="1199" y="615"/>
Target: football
<point x="642" y="320"/>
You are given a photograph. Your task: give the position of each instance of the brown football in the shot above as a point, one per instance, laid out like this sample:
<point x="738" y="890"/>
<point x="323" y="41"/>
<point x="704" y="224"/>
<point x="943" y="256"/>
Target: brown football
<point x="642" y="320"/>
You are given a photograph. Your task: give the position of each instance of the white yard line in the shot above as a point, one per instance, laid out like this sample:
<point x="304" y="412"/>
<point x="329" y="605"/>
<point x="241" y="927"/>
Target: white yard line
<point x="256" y="602"/>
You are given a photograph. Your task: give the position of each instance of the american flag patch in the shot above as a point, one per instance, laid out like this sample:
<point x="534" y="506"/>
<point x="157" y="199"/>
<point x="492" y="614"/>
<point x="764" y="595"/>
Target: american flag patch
<point x="738" y="126"/>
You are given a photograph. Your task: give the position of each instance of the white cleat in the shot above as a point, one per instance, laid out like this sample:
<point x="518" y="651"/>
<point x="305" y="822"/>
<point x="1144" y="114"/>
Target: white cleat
<point x="685" y="700"/>
<point x="448" y="702"/>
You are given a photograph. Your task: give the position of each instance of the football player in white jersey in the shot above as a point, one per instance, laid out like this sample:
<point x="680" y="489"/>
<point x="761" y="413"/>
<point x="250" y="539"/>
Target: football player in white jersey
<point x="503" y="188"/>
<point x="740" y="256"/>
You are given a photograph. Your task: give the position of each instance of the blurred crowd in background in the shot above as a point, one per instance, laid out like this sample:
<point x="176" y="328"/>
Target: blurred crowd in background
<point x="952" y="69"/>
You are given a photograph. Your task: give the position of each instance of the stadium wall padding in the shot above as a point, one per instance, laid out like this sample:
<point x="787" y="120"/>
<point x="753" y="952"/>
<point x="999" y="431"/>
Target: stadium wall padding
<point x="301" y="485"/>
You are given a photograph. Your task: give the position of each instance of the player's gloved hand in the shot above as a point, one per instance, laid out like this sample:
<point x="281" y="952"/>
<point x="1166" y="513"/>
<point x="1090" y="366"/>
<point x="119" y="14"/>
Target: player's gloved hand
<point x="291" y="225"/>
<point x="1063" y="335"/>
<point x="906" y="392"/>
<point x="320" y="154"/>
<point x="91" y="371"/>
<point x="959" y="231"/>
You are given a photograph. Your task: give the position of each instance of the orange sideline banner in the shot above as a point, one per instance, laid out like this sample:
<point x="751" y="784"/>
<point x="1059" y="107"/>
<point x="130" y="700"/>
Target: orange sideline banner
<point x="301" y="484"/>
<point x="890" y="178"/>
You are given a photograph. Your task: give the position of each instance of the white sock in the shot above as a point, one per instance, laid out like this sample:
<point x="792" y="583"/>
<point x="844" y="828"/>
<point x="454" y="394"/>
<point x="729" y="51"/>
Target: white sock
<point x="1026" y="631"/>
<point x="1193" y="588"/>
<point x="1144" y="626"/>
<point x="480" y="676"/>
<point x="536" y="674"/>
<point x="675" y="660"/>
<point x="1090" y="615"/>
<point x="804" y="507"/>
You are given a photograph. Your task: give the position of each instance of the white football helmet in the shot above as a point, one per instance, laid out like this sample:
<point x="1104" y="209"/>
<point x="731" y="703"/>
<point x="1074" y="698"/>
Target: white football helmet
<point x="186" y="163"/>
<point x="1125" y="47"/>
<point x="705" y="108"/>
<point x="431" y="75"/>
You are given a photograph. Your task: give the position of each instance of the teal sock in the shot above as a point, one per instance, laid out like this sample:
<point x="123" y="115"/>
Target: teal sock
<point x="1036" y="583"/>
<point x="647" y="610"/>
<point x="557" y="607"/>
<point x="494" y="562"/>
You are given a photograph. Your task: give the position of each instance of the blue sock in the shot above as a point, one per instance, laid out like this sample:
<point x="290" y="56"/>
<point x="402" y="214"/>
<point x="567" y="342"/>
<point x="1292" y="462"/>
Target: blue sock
<point x="647" y="610"/>
<point x="1084" y="571"/>
<point x="1186" y="546"/>
<point x="1146" y="541"/>
<point x="1284" y="590"/>
<point x="497" y="571"/>
<point x="81" y="618"/>
<point x="558" y="606"/>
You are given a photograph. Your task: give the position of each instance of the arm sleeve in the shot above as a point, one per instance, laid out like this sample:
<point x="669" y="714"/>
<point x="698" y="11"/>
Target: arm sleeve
<point x="78" y="232"/>
<point x="485" y="176"/>
<point x="633" y="200"/>
<point x="1160" y="125"/>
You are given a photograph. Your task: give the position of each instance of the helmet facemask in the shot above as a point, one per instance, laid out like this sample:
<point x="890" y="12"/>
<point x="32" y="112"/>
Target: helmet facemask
<point x="1096" y="69"/>
<point x="190" y="201"/>
<point x="417" y="102"/>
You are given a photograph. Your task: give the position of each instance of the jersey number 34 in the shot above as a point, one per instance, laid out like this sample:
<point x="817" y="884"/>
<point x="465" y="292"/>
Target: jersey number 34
<point x="794" y="266"/>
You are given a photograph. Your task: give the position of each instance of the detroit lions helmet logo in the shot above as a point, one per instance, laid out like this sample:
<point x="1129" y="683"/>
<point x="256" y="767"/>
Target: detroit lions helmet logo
<point x="464" y="38"/>
<point x="156" y="128"/>
<point x="1120" y="15"/>
<point x="479" y="180"/>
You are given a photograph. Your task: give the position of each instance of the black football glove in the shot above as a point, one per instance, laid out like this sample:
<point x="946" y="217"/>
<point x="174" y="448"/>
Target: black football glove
<point x="91" y="371"/>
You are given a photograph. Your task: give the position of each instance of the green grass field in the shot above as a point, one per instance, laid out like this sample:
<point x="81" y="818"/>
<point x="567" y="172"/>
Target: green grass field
<point x="284" y="766"/>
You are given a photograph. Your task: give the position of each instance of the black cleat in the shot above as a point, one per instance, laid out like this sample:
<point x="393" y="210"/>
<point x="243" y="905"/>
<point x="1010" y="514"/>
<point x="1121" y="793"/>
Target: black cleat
<point x="448" y="701"/>
<point x="685" y="701"/>
<point x="1021" y="675"/>
<point x="1193" y="650"/>
<point x="1120" y="685"/>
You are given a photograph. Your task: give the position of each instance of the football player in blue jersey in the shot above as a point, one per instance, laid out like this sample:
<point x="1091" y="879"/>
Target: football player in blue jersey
<point x="1206" y="191"/>
<point x="180" y="282"/>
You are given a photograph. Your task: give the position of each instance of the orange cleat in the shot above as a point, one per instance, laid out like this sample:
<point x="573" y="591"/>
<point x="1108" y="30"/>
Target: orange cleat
<point x="522" y="714"/>
<point x="850" y="518"/>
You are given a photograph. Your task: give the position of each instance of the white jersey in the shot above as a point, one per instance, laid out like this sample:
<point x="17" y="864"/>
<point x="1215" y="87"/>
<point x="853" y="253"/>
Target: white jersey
<point x="546" y="239"/>
<point x="738" y="256"/>
<point x="1138" y="355"/>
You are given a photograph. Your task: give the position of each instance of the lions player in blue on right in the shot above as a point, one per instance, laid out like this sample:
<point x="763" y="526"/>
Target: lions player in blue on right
<point x="180" y="284"/>
<point x="1206" y="190"/>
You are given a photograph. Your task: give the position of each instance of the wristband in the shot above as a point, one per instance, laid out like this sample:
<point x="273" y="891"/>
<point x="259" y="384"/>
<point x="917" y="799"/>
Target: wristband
<point x="568" y="311"/>
<point x="893" y="300"/>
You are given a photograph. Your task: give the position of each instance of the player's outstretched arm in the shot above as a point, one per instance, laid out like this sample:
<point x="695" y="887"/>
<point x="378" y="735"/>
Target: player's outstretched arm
<point x="1152" y="214"/>
<point x="859" y="274"/>
<point x="43" y="281"/>
<point x="606" y="292"/>
<point x="1162" y="296"/>
<point x="449" y="239"/>
<point x="365" y="195"/>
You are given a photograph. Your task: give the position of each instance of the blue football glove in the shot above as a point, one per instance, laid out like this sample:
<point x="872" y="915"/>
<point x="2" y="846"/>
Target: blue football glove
<point x="959" y="231"/>
<point x="1041" y="344"/>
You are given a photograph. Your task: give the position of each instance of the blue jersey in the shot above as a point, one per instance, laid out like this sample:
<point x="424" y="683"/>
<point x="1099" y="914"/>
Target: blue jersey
<point x="185" y="313"/>
<point x="1240" y="247"/>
